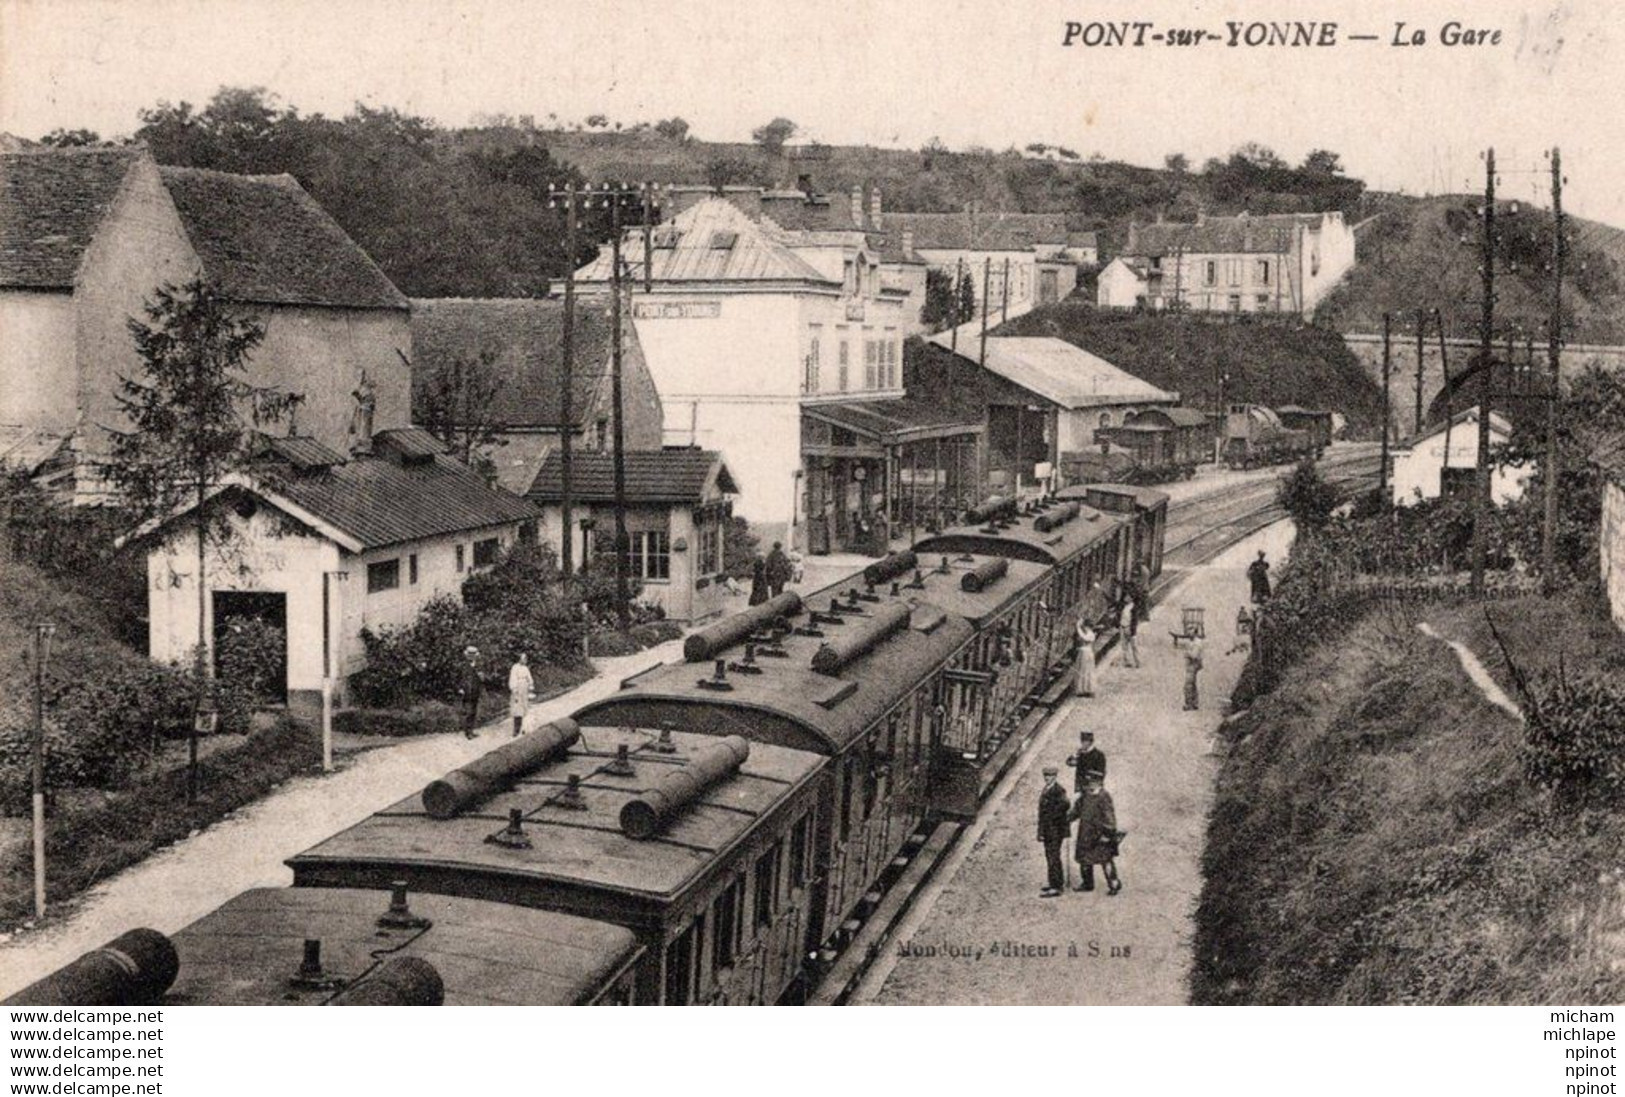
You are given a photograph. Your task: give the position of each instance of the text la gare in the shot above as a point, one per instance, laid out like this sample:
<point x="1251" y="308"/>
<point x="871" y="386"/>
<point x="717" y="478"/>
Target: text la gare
<point x="1265" y="34"/>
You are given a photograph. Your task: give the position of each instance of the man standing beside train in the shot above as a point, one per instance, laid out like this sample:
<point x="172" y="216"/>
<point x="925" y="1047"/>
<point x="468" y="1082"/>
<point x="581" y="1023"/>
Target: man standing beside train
<point x="1054" y="827"/>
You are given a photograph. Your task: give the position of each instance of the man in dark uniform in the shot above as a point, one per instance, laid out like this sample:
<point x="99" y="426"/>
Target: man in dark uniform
<point x="1053" y="830"/>
<point x="469" y="687"/>
<point x="1098" y="836"/>
<point x="1258" y="577"/>
<point x="778" y="570"/>
<point x="1088" y="759"/>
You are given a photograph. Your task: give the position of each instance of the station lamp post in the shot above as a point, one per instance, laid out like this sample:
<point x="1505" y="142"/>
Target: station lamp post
<point x="42" y="652"/>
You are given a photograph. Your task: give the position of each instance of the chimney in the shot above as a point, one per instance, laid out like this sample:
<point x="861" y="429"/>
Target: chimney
<point x="857" y="206"/>
<point x="804" y="184"/>
<point x="874" y="207"/>
<point x="908" y="246"/>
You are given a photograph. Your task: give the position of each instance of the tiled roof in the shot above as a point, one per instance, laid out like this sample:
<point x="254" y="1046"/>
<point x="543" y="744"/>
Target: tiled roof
<point x="711" y="241"/>
<point x="652" y="476"/>
<point x="525" y="338"/>
<point x="1062" y="373"/>
<point x="51" y="203"/>
<point x="377" y="501"/>
<point x="981" y="231"/>
<point x="304" y="453"/>
<point x="262" y="239"/>
<point x="1270" y="234"/>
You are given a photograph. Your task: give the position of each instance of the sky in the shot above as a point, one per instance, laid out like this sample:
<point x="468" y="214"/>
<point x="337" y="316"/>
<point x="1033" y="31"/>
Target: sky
<point x="887" y="72"/>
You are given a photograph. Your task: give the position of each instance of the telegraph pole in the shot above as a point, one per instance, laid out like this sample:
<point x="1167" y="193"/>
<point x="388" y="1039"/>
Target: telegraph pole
<point x="623" y="596"/>
<point x="953" y="336"/>
<point x="1004" y="300"/>
<point x="1444" y="380"/>
<point x="1486" y="349"/>
<point x="42" y="651"/>
<point x="987" y="278"/>
<point x="1421" y="336"/>
<point x="1554" y="348"/>
<point x="1387" y="414"/>
<point x="566" y="411"/>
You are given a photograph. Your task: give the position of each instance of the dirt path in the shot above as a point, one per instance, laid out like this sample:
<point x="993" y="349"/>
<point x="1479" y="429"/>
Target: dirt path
<point x="1481" y="677"/>
<point x="980" y="934"/>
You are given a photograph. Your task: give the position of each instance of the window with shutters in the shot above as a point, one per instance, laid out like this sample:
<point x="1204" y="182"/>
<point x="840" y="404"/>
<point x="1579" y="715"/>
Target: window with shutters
<point x="814" y="349"/>
<point x="844" y="375"/>
<point x="871" y="364"/>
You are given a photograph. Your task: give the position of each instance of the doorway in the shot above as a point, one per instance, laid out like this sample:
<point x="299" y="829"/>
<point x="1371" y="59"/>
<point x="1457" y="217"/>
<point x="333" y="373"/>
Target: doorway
<point x="235" y="608"/>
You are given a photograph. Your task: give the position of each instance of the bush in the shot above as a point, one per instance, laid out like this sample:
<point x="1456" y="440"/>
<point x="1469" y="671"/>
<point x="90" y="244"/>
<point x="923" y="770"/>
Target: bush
<point x="1307" y="497"/>
<point x="425" y="718"/>
<point x="1575" y="739"/>
<point x="739" y="548"/>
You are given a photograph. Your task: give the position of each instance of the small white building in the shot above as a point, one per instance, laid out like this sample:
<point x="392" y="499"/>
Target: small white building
<point x="678" y="506"/>
<point x="1444" y="461"/>
<point x="1611" y="540"/>
<point x="324" y="546"/>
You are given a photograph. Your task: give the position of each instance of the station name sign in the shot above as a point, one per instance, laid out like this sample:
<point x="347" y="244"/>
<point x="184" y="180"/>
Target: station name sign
<point x="676" y="310"/>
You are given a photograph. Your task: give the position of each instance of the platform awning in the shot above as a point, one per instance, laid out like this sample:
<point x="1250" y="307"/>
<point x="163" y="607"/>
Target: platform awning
<point x="896" y="422"/>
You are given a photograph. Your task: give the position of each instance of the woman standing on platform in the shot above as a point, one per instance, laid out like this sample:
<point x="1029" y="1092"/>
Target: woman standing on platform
<point x="1084" y="681"/>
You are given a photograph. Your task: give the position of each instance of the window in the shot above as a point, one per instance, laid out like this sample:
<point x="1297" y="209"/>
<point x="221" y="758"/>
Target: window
<point x="814" y="348"/>
<point x="1263" y="272"/>
<point x="1232" y="272"/>
<point x="412" y="569"/>
<point x="849" y="276"/>
<point x="527" y="533"/>
<point x="888" y="355"/>
<point x="710" y="559"/>
<point x="1235" y="302"/>
<point x="485" y="552"/>
<point x="384" y="575"/>
<point x="459" y="557"/>
<point x="800" y="843"/>
<point x="680" y="965"/>
<point x="649" y="554"/>
<point x="844" y="374"/>
<point x="1210" y="272"/>
<point x="601" y="430"/>
<point x="727" y="926"/>
<point x="767" y="886"/>
<point x="1263" y="302"/>
<point x="871" y="364"/>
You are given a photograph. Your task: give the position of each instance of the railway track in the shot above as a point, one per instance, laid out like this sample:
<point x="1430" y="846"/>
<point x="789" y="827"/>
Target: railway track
<point x="1242" y="511"/>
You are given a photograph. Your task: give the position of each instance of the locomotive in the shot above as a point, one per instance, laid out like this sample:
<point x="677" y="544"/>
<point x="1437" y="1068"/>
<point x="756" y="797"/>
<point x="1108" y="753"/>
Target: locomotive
<point x="1256" y="435"/>
<point x="714" y="830"/>
<point x="1151" y="446"/>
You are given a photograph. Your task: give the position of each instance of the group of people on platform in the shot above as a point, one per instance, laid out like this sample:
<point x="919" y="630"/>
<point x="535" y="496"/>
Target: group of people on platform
<point x="1097" y="839"/>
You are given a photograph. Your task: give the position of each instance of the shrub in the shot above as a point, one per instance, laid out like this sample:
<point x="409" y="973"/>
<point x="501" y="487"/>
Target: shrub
<point x="739" y="548"/>
<point x="1307" y="497"/>
<point x="1575" y="740"/>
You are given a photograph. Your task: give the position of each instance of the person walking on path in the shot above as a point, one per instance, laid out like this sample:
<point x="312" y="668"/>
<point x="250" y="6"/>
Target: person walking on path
<point x="521" y="688"/>
<point x="1258" y="577"/>
<point x="1128" y="624"/>
<point x="1087" y="759"/>
<point x="1083" y="683"/>
<point x="1096" y="842"/>
<point x="1140" y="591"/>
<point x="1193" y="667"/>
<point x="1054" y="828"/>
<point x="779" y="570"/>
<point x="469" y="686"/>
<point x="758" y="581"/>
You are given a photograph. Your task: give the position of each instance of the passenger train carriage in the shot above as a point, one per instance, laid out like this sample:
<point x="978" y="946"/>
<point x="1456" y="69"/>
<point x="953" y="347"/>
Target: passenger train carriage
<point x="709" y="832"/>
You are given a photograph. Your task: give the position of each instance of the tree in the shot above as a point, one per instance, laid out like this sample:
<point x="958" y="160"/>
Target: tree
<point x="773" y="135"/>
<point x="723" y="171"/>
<point x="1307" y="497"/>
<point x="941" y="304"/>
<point x="69" y="139"/>
<point x="967" y="298"/>
<point x="186" y="411"/>
<point x="597" y="121"/>
<point x="457" y="404"/>
<point x="673" y="129"/>
<point x="1322" y="162"/>
<point x="1258" y="155"/>
<point x="931" y="150"/>
<point x="1177" y="162"/>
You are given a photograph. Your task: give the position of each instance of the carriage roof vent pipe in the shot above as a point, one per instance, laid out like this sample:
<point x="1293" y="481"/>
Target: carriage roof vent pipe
<point x="643" y="816"/>
<point x="460" y="788"/>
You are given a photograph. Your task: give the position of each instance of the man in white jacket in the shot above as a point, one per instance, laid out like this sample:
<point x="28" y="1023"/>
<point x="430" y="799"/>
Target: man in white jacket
<point x="521" y="686"/>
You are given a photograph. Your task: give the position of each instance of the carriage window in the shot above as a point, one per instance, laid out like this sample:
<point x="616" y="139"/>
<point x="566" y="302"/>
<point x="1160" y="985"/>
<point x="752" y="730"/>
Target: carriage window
<point x="871" y="781"/>
<point x="767" y="886"/>
<point x="680" y="965"/>
<point x="799" y="844"/>
<point x="728" y="915"/>
<point x="846" y="799"/>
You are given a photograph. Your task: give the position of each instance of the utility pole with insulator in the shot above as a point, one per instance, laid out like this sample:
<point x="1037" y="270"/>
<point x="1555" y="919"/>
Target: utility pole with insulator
<point x="1387" y="413"/>
<point x="42" y="651"/>
<point x="1421" y="351"/>
<point x="1554" y="350"/>
<point x="1486" y="349"/>
<point x="567" y="198"/>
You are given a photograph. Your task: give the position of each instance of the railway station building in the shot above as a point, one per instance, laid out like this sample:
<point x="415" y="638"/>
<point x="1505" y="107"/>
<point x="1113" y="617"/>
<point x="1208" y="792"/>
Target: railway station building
<point x="1443" y="460"/>
<point x="1038" y="399"/>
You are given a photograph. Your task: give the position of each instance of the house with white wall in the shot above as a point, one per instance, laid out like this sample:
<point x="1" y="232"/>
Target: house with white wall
<point x="325" y="546"/>
<point x="1273" y="263"/>
<point x="1611" y="537"/>
<point x="1035" y="251"/>
<point x="88" y="234"/>
<point x="1444" y="461"/>
<point x="678" y="505"/>
<point x="741" y="331"/>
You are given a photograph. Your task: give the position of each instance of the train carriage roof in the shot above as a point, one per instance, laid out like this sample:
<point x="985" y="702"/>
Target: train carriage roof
<point x="245" y="952"/>
<point x="825" y="712"/>
<point x="1144" y="498"/>
<point x="576" y="851"/>
<point x="1024" y="537"/>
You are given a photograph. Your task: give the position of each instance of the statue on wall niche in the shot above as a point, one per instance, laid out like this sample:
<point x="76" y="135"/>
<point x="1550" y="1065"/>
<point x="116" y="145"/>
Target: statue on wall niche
<point x="366" y="401"/>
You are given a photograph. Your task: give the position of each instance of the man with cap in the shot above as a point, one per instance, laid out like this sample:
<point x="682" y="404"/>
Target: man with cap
<point x="469" y="686"/>
<point x="1054" y="828"/>
<point x="1098" y="836"/>
<point x="1087" y="759"/>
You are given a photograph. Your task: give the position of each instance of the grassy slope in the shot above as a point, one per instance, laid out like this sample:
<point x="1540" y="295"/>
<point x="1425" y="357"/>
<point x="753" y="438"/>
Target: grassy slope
<point x="1413" y="255"/>
<point x="1268" y="363"/>
<point x="1374" y="842"/>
